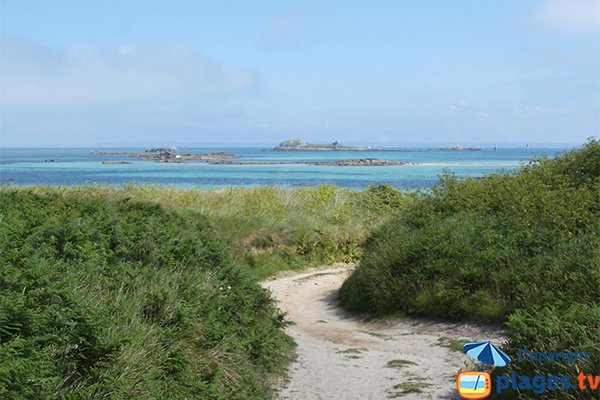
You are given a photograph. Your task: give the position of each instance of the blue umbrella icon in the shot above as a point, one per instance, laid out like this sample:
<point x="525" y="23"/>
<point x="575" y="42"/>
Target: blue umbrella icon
<point x="487" y="353"/>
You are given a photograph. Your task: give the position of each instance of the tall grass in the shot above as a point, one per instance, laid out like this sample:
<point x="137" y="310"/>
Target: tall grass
<point x="269" y="229"/>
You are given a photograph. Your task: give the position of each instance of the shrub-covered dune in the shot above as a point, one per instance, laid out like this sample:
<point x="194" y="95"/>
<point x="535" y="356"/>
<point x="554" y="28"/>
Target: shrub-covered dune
<point x="124" y="299"/>
<point x="269" y="229"/>
<point x="522" y="247"/>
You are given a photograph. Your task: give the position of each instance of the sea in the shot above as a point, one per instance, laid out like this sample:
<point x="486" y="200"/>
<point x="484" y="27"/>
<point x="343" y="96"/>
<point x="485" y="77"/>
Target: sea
<point x="79" y="166"/>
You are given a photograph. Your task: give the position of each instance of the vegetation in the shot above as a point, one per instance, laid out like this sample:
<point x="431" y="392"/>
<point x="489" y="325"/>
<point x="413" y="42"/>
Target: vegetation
<point x="126" y="299"/>
<point x="129" y="292"/>
<point x="522" y="247"/>
<point x="398" y="364"/>
<point x="149" y="292"/>
<point x="269" y="229"/>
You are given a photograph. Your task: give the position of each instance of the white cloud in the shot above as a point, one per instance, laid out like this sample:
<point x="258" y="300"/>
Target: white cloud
<point x="573" y="16"/>
<point x="33" y="74"/>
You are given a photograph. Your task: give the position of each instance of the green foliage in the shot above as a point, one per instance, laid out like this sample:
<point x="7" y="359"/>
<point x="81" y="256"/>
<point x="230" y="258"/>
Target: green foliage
<point x="498" y="247"/>
<point x="548" y="329"/>
<point x="108" y="292"/>
<point x="268" y="229"/>
<point x="482" y="248"/>
<point x="383" y="200"/>
<point x="125" y="299"/>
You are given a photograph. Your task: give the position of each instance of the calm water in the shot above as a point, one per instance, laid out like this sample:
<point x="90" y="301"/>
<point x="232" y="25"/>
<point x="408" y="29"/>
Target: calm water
<point x="78" y="166"/>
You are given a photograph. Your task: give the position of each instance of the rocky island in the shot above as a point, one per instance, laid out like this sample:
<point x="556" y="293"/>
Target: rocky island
<point x="301" y="145"/>
<point x="456" y="148"/>
<point x="167" y="155"/>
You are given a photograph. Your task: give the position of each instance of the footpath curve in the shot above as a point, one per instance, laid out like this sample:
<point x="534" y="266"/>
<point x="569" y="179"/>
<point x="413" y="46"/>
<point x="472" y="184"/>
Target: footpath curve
<point x="343" y="357"/>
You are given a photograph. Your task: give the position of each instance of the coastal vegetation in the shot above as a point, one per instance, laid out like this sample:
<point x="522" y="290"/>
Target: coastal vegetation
<point x="119" y="298"/>
<point x="268" y="229"/>
<point x="521" y="248"/>
<point x="152" y="292"/>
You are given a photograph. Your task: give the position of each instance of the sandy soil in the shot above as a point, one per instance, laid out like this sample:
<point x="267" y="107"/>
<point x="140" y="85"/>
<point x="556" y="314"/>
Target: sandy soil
<point x="343" y="357"/>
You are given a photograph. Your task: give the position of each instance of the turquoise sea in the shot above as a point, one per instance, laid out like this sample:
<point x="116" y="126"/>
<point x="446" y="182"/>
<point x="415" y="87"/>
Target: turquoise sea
<point x="78" y="166"/>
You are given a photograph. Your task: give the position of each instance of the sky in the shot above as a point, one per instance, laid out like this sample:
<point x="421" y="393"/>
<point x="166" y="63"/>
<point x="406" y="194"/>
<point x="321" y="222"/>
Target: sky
<point x="111" y="73"/>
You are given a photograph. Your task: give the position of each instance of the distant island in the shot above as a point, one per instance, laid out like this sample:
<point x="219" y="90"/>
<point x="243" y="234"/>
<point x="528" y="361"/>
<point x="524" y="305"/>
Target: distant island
<point x="456" y="148"/>
<point x="301" y="145"/>
<point x="166" y="155"/>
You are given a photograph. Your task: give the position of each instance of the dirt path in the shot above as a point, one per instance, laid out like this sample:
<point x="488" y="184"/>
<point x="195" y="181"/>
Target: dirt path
<point x="342" y="357"/>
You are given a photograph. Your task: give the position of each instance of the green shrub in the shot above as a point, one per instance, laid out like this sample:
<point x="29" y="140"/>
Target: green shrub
<point x="124" y="299"/>
<point x="497" y="248"/>
<point x="483" y="248"/>
<point x="269" y="229"/>
<point x="576" y="328"/>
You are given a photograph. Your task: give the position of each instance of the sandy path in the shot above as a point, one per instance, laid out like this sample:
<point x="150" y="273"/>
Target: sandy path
<point x="342" y="357"/>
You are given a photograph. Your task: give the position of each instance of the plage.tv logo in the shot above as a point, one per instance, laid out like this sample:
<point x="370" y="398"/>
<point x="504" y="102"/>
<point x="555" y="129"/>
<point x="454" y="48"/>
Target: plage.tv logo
<point x="478" y="384"/>
<point x="474" y="385"/>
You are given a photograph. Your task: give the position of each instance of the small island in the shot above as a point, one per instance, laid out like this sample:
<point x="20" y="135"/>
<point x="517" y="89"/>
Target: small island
<point x="167" y="155"/>
<point x="456" y="148"/>
<point x="301" y="145"/>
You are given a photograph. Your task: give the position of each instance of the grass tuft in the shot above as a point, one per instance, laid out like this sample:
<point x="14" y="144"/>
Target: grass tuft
<point x="399" y="364"/>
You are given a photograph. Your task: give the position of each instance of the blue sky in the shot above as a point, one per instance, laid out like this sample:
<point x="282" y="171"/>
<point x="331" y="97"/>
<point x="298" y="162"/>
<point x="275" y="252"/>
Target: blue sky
<point x="77" y="73"/>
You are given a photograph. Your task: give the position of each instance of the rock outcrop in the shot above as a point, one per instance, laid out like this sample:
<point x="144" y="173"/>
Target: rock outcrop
<point x="169" y="155"/>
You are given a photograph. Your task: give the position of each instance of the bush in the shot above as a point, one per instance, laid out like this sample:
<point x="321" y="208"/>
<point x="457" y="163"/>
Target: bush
<point x="483" y="248"/>
<point x="548" y="329"/>
<point x="269" y="229"/>
<point x="498" y="247"/>
<point x="123" y="299"/>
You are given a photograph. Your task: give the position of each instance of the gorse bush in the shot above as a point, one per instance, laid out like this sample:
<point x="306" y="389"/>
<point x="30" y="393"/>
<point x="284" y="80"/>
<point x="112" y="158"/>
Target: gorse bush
<point x="124" y="299"/>
<point x="523" y="246"/>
